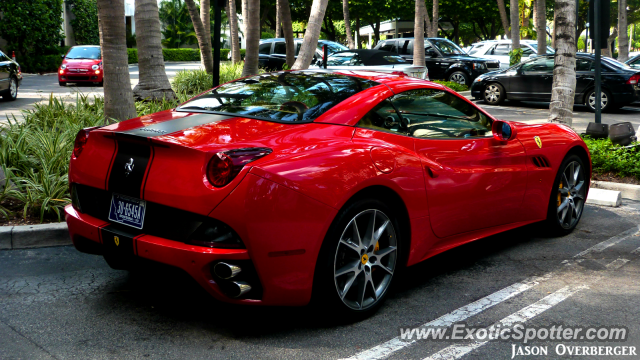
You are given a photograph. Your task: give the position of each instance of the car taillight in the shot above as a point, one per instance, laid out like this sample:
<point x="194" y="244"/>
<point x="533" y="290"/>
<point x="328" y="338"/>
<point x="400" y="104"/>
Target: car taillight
<point x="81" y="140"/>
<point x="224" y="166"/>
<point x="398" y="73"/>
<point x="19" y="70"/>
<point x="634" y="80"/>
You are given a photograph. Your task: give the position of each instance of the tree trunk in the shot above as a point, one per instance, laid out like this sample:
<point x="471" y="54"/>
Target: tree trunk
<point x="553" y="37"/>
<point x="287" y="29"/>
<point x="252" y="36"/>
<point x="118" y="97"/>
<point x="623" y="32"/>
<point x="418" y="34"/>
<point x="278" y="19"/>
<point x="205" y="17"/>
<point x="541" y="26"/>
<point x="376" y="32"/>
<point x="515" y="24"/>
<point x="503" y="18"/>
<point x="244" y="17"/>
<point x="347" y="24"/>
<point x="435" y="18"/>
<point x="204" y="40"/>
<point x="154" y="84"/>
<point x="608" y="49"/>
<point x="564" y="73"/>
<point x="312" y="35"/>
<point x="358" y="39"/>
<point x="233" y="29"/>
<point x="427" y="22"/>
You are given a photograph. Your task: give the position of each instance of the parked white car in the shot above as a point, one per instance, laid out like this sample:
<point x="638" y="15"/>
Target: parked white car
<point x="373" y="60"/>
<point x="499" y="49"/>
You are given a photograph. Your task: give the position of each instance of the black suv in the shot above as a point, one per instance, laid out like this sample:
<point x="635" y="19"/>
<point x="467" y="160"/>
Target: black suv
<point x="444" y="59"/>
<point x="273" y="52"/>
<point x="10" y="77"/>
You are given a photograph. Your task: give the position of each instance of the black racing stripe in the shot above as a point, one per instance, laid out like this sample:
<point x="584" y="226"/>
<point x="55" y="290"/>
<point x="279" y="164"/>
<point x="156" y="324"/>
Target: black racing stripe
<point x="171" y="126"/>
<point x="129" y="155"/>
<point x="119" y="241"/>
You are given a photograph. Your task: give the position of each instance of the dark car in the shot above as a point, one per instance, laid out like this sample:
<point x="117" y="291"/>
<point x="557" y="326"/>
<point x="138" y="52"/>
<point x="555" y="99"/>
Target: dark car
<point x="634" y="62"/>
<point x="532" y="80"/>
<point x="273" y="52"/>
<point x="10" y="77"/>
<point x="444" y="59"/>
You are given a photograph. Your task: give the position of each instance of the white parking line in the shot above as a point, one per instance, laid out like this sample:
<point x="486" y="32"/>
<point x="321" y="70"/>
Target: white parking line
<point x="385" y="349"/>
<point x="527" y="313"/>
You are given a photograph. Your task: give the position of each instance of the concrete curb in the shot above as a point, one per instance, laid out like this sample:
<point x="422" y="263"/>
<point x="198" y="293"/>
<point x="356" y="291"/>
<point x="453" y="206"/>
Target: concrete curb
<point x="32" y="236"/>
<point x="628" y="191"/>
<point x="603" y="197"/>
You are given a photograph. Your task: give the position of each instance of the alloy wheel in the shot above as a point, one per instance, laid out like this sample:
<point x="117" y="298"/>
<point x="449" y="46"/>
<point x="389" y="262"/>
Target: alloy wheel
<point x="458" y="78"/>
<point x="571" y="195"/>
<point x="492" y="93"/>
<point x="13" y="88"/>
<point x="604" y="100"/>
<point x="365" y="259"/>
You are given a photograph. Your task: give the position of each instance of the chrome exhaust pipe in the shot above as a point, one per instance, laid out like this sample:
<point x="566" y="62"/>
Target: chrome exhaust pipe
<point x="226" y="271"/>
<point x="239" y="288"/>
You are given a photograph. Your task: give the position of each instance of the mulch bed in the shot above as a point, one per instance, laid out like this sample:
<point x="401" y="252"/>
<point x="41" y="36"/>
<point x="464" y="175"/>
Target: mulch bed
<point x="17" y="219"/>
<point x="611" y="177"/>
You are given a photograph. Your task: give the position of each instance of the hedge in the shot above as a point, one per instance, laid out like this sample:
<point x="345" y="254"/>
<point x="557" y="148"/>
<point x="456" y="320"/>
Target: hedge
<point x="180" y="54"/>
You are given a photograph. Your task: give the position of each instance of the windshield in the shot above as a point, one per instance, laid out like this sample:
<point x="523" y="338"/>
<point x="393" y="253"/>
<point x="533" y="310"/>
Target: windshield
<point x="549" y="48"/>
<point x="84" y="53"/>
<point x="296" y="96"/>
<point x="446" y="47"/>
<point x="332" y="47"/>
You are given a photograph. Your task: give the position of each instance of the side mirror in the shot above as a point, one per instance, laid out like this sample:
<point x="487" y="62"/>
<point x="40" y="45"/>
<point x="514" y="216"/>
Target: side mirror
<point x="503" y="131"/>
<point x="62" y="56"/>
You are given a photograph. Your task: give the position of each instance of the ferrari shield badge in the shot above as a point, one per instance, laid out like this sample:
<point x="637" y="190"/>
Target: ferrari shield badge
<point x="538" y="141"/>
<point x="116" y="240"/>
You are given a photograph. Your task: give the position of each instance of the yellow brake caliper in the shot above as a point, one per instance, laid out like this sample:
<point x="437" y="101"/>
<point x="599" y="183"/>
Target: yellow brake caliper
<point x="559" y="195"/>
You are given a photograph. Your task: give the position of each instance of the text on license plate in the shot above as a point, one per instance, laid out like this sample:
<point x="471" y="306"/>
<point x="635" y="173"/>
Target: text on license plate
<point x="127" y="210"/>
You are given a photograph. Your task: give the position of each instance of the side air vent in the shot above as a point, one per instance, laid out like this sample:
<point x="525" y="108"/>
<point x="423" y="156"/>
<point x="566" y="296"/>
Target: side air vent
<point x="540" y="161"/>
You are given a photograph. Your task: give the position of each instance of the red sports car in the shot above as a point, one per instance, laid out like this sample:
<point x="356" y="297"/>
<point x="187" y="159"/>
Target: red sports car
<point x="282" y="187"/>
<point x="81" y="64"/>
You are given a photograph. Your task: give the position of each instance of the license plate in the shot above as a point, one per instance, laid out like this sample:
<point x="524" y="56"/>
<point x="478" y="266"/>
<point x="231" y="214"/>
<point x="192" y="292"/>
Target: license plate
<point x="127" y="210"/>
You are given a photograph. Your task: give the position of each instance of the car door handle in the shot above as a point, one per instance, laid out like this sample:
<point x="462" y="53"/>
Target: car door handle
<point x="432" y="174"/>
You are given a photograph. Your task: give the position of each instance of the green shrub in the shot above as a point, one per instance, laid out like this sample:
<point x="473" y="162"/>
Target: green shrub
<point x="133" y="56"/>
<point x="181" y="54"/>
<point x="194" y="82"/>
<point x="39" y="64"/>
<point x="452" y="85"/>
<point x="607" y="157"/>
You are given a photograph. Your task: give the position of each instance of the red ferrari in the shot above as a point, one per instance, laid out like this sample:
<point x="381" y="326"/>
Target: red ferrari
<point x="81" y="64"/>
<point x="282" y="187"/>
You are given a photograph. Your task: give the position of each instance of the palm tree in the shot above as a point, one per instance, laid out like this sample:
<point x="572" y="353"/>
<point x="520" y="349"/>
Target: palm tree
<point x="311" y="36"/>
<point x="515" y="24"/>
<point x="204" y="40"/>
<point x="623" y="32"/>
<point x="287" y="30"/>
<point x="233" y="29"/>
<point x="541" y="26"/>
<point x="118" y="97"/>
<point x="278" y="19"/>
<point x="503" y="18"/>
<point x="153" y="84"/>
<point x="564" y="71"/>
<point x="418" y="31"/>
<point x="433" y="32"/>
<point x="177" y="28"/>
<point x="205" y="18"/>
<point x="347" y="24"/>
<point x="252" y="36"/>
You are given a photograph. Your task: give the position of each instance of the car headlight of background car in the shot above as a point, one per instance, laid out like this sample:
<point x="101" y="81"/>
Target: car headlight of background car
<point x="95" y="67"/>
<point x="63" y="66"/>
<point x="479" y="66"/>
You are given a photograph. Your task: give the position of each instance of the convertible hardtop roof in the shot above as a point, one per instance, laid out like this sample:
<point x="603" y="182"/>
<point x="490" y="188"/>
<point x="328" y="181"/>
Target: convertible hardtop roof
<point x="372" y="57"/>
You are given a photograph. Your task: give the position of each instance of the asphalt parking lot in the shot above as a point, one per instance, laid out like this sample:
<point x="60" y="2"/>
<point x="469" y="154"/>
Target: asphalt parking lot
<point x="56" y="303"/>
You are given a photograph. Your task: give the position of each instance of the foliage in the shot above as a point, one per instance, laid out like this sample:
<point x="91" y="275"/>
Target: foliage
<point x="30" y="27"/>
<point x="177" y="28"/>
<point x="607" y="157"/>
<point x="515" y="56"/>
<point x="267" y="35"/>
<point x="85" y="25"/>
<point x="452" y="85"/>
<point x="39" y="64"/>
<point x="131" y="41"/>
<point x="198" y="81"/>
<point x="132" y="55"/>
<point x="184" y="54"/>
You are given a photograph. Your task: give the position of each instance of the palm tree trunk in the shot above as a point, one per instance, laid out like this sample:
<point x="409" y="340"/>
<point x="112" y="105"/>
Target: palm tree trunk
<point x="204" y="40"/>
<point x="427" y="22"/>
<point x="312" y="34"/>
<point x="358" y="40"/>
<point x="252" y="34"/>
<point x="233" y="29"/>
<point x="515" y="24"/>
<point x="278" y="19"/>
<point x="435" y="15"/>
<point x="287" y="30"/>
<point x="205" y="17"/>
<point x="418" y="33"/>
<point x="564" y="73"/>
<point x="541" y="26"/>
<point x="623" y="32"/>
<point x="347" y="24"/>
<point x="154" y="83"/>
<point x="118" y="97"/>
<point x="553" y="34"/>
<point x="503" y="18"/>
<point x="244" y="17"/>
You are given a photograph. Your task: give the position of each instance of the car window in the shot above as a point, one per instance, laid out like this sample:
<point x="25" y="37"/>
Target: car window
<point x="4" y="57"/>
<point x="428" y="113"/>
<point x="539" y="64"/>
<point x="344" y="59"/>
<point x="287" y="96"/>
<point x="81" y="52"/>
<point x="298" y="46"/>
<point x="388" y="46"/>
<point x="583" y="64"/>
<point x="501" y="49"/>
<point x="526" y="51"/>
<point x="280" y="48"/>
<point x="476" y="49"/>
<point x="265" y="49"/>
<point x="403" y="47"/>
<point x="332" y="47"/>
<point x="394" y="59"/>
<point x="447" y="47"/>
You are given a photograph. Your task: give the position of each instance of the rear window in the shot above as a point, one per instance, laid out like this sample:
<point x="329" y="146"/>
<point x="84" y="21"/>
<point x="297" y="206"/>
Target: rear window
<point x="84" y="53"/>
<point x="292" y="96"/>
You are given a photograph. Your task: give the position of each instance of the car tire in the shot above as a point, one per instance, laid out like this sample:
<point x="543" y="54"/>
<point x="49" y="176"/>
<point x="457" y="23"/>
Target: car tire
<point x="459" y="77"/>
<point x="365" y="273"/>
<point x="12" y="92"/>
<point x="63" y="84"/>
<point x="568" y="196"/>
<point x="607" y="101"/>
<point x="494" y="94"/>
